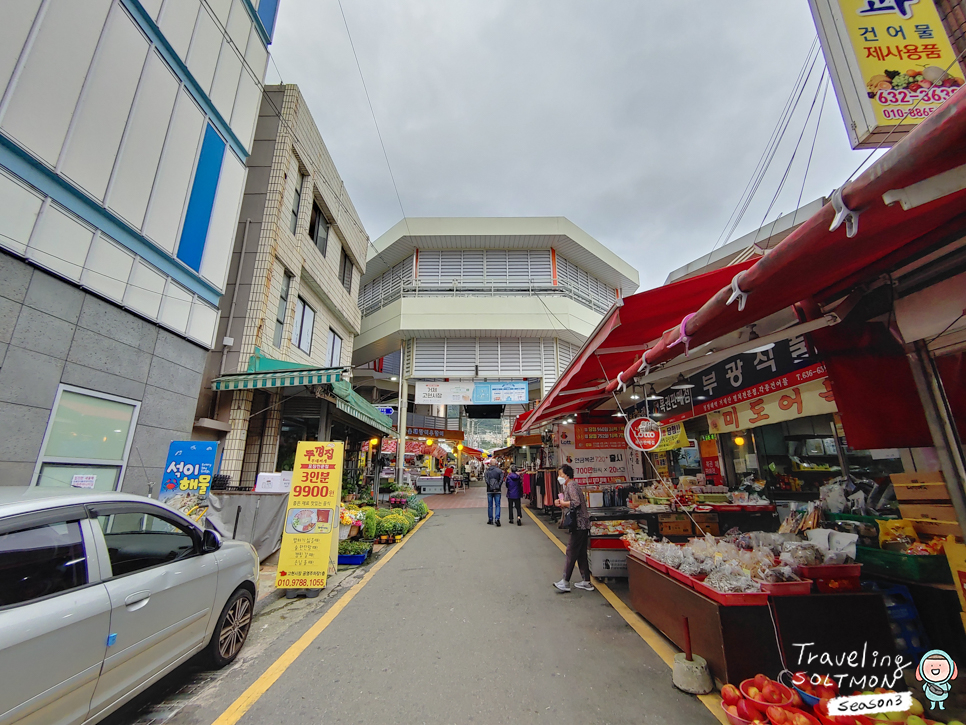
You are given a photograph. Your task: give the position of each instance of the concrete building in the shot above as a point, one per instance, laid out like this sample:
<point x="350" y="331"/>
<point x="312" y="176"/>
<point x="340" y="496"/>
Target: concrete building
<point x="289" y="319"/>
<point x="483" y="300"/>
<point x="124" y="130"/>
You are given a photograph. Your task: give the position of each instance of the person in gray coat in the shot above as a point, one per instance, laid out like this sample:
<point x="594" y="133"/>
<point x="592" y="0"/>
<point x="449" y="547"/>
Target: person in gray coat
<point x="494" y="485"/>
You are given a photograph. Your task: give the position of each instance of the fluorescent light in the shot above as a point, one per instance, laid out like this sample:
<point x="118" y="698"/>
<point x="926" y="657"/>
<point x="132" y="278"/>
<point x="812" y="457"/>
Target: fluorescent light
<point x="652" y="394"/>
<point x="635" y="396"/>
<point x="618" y="414"/>
<point x="394" y="378"/>
<point x="681" y="383"/>
<point x="754" y="336"/>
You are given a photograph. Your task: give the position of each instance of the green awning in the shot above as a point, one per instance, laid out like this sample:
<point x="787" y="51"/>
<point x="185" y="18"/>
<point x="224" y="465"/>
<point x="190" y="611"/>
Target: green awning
<point x="279" y="379"/>
<point x="351" y="403"/>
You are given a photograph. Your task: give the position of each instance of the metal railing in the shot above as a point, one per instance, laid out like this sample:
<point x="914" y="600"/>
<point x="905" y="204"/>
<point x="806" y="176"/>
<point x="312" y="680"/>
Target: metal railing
<point x="480" y="288"/>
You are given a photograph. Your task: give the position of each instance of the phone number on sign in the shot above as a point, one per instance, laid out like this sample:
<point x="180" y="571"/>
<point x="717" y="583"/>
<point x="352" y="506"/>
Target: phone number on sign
<point x="904" y="97"/>
<point x="294" y="582"/>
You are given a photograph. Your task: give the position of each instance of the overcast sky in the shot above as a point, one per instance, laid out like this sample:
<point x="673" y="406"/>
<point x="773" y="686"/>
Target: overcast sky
<point x="639" y="120"/>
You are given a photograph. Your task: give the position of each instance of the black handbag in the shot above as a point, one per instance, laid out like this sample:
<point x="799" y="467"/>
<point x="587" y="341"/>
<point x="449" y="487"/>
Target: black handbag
<point x="569" y="520"/>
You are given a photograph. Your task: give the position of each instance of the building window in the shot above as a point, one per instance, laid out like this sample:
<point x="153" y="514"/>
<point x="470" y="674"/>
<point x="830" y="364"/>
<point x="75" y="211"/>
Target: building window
<point x="335" y="349"/>
<point x="87" y="440"/>
<point x="297" y="202"/>
<point x="345" y="272"/>
<point x="41" y="561"/>
<point x="282" y="309"/>
<point x="319" y="228"/>
<point x="303" y="325"/>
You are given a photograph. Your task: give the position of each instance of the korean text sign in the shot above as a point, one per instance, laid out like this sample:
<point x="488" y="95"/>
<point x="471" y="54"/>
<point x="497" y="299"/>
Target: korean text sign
<point x="597" y="453"/>
<point x="888" y="61"/>
<point x="812" y="398"/>
<point x="188" y="470"/>
<point x="312" y="517"/>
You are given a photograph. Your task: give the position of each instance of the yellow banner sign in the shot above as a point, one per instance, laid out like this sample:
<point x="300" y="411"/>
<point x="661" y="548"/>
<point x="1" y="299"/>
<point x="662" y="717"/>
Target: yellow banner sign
<point x="310" y="543"/>
<point x="902" y="52"/>
<point x="811" y="398"/>
<point x="672" y="436"/>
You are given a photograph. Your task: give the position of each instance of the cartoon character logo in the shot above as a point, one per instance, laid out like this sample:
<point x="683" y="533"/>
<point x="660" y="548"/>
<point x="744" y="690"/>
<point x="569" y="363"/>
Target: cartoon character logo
<point x="936" y="670"/>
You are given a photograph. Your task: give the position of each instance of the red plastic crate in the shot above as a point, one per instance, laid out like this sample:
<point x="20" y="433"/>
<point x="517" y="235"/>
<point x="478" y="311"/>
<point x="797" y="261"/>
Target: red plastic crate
<point x="743" y="599"/>
<point x="838" y="585"/>
<point x="683" y="578"/>
<point x="787" y="589"/>
<point x="655" y="564"/>
<point x="726" y="506"/>
<point x="830" y="571"/>
<point x="607" y="544"/>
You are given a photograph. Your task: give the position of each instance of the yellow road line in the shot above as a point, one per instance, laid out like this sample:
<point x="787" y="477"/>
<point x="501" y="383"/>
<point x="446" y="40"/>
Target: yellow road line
<point x="652" y="638"/>
<point x="249" y="697"/>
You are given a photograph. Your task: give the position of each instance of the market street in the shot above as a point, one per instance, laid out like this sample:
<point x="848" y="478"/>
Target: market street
<point x="461" y="625"/>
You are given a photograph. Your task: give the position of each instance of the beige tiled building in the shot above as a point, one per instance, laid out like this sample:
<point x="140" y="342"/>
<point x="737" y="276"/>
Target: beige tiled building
<point x="291" y="303"/>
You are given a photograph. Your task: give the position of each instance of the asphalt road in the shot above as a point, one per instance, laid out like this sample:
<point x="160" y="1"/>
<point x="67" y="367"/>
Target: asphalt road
<point x="462" y="625"/>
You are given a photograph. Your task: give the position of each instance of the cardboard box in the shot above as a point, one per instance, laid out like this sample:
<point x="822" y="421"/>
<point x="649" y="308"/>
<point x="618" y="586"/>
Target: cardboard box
<point x="704" y="518"/>
<point x="674" y="525"/>
<point x="931" y="527"/>
<point x="712" y="528"/>
<point x="956" y="556"/>
<point x="923" y="486"/>
<point x="917" y="477"/>
<point x="935" y="511"/>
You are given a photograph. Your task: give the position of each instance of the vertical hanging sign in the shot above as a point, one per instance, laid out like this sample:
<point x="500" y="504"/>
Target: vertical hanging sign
<point x="312" y="517"/>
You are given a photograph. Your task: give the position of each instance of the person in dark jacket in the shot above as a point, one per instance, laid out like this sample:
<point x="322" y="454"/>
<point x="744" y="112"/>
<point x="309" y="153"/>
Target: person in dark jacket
<point x="494" y="484"/>
<point x="514" y="492"/>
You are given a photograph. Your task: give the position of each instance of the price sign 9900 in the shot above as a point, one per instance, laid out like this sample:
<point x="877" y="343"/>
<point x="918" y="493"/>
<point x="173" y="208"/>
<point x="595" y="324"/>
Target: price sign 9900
<point x="310" y="491"/>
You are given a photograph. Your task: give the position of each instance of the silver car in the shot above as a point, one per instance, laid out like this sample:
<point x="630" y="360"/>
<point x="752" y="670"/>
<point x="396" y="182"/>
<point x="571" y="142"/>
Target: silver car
<point x="101" y="594"/>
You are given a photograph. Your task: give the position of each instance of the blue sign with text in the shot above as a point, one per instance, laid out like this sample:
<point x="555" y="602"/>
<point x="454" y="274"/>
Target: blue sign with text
<point x="189" y="469"/>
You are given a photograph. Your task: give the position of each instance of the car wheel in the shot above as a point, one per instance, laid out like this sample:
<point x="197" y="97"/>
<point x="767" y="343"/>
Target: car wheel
<point x="232" y="629"/>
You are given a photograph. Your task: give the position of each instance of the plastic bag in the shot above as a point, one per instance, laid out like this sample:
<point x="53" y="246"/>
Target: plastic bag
<point x="730" y="578"/>
<point x="893" y="531"/>
<point x="801" y="553"/>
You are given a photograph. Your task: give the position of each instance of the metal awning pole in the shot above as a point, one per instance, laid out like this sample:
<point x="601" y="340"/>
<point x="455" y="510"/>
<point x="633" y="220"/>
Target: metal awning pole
<point x="401" y="416"/>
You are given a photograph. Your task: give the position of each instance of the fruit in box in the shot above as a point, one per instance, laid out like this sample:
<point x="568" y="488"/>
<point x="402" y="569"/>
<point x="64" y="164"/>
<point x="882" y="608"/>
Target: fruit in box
<point x="730" y="694"/>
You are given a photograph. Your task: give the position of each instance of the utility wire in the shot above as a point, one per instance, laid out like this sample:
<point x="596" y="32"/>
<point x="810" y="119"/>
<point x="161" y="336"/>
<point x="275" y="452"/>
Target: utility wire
<point x="808" y="164"/>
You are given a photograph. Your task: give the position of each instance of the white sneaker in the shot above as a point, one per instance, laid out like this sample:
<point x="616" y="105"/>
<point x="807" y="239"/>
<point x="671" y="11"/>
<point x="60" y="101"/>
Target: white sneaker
<point x="562" y="585"/>
<point x="586" y="586"/>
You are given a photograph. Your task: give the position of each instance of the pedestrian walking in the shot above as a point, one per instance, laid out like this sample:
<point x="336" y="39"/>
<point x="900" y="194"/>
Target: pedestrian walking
<point x="448" y="479"/>
<point x="494" y="484"/>
<point x="575" y="506"/>
<point x="514" y="492"/>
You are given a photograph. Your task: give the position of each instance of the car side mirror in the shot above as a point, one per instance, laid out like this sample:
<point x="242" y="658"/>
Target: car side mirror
<point x="210" y="541"/>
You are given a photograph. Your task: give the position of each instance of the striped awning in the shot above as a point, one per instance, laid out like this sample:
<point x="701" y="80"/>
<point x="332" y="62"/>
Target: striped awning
<point x="278" y="379"/>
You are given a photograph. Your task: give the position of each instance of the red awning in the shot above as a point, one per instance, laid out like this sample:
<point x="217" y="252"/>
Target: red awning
<point x="816" y="262"/>
<point x="620" y="339"/>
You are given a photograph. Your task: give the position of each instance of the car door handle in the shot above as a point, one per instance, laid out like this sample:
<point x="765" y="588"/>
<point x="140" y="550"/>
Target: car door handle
<point x="137" y="600"/>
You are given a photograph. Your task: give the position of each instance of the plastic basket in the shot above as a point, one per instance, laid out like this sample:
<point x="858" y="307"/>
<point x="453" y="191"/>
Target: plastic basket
<point x="787" y="589"/>
<point x="352" y="559"/>
<point x="830" y="571"/>
<point x="601" y="543"/>
<point x="742" y="599"/>
<point x="790" y="710"/>
<point x="905" y="566"/>
<point x="655" y="564"/>
<point x="762" y="704"/>
<point x="838" y="584"/>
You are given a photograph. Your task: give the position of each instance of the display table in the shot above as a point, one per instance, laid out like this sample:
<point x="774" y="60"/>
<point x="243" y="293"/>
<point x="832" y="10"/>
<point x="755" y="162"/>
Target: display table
<point x="740" y="642"/>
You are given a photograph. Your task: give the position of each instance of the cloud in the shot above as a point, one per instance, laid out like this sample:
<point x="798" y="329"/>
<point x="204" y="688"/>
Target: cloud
<point x="641" y="121"/>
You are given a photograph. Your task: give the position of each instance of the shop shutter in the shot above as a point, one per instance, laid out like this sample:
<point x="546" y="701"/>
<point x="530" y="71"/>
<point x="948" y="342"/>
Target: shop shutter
<point x="509" y="357"/>
<point x="530" y="357"/>
<point x="541" y="270"/>
<point x="461" y="357"/>
<point x="489" y="359"/>
<point x="430" y="358"/>
<point x="496" y="266"/>
<point x="473" y="266"/>
<point x="429" y="267"/>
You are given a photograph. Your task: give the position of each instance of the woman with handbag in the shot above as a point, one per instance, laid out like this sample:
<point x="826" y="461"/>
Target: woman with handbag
<point x="577" y="519"/>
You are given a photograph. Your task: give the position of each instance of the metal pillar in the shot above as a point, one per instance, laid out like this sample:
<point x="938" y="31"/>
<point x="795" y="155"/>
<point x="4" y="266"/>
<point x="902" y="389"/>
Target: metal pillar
<point x="942" y="426"/>
<point x="402" y="413"/>
<point x="325" y="421"/>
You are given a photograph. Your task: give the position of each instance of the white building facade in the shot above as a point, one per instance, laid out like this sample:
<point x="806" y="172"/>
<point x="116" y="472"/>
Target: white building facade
<point x="485" y="299"/>
<point x="125" y="126"/>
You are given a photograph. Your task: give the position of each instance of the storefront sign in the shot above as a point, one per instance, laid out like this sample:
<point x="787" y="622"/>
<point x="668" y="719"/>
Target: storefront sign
<point x="672" y="437"/>
<point x="188" y="472"/>
<point x="312" y="518"/>
<point x="472" y="393"/>
<point x="710" y="463"/>
<point x="789" y="362"/>
<point x="811" y="398"/>
<point x="887" y="59"/>
<point x="440" y="433"/>
<point x="83" y="481"/>
<point x="643" y="434"/>
<point x="598" y="453"/>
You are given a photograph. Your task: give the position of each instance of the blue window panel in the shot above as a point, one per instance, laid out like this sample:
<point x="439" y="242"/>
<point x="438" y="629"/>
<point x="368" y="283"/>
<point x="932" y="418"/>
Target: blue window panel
<point x="202" y="199"/>
<point x="267" y="10"/>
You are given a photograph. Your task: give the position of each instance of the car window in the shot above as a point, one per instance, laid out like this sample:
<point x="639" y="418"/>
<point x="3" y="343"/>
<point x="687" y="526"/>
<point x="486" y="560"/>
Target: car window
<point x="40" y="561"/>
<point x="138" y="540"/>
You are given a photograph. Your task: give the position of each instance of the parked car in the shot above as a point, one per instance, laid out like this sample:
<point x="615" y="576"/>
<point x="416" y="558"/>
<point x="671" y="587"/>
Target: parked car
<point x="102" y="594"/>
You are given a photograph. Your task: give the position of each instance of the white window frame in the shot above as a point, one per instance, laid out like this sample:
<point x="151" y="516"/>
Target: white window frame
<point x="333" y="336"/>
<point x="122" y="465"/>
<point x="298" y="324"/>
